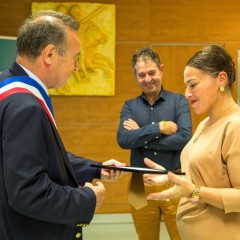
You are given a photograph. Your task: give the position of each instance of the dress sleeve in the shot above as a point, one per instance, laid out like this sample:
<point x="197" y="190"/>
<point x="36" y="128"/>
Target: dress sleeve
<point x="231" y="157"/>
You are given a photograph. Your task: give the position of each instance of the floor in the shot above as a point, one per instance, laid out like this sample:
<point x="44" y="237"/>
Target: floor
<point x="114" y="227"/>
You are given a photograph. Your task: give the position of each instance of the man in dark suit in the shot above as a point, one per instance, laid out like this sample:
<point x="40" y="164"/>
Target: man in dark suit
<point x="45" y="191"/>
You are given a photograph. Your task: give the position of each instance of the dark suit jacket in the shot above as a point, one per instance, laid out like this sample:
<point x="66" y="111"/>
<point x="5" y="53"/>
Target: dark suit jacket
<point x="40" y="196"/>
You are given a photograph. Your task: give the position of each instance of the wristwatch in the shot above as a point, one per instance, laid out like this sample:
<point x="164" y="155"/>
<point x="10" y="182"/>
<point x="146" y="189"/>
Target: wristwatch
<point x="195" y="194"/>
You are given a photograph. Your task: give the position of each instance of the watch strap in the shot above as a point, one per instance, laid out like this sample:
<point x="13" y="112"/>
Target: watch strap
<point x="195" y="194"/>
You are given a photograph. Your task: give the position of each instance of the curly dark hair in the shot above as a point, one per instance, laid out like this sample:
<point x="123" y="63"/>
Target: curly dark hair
<point x="145" y="53"/>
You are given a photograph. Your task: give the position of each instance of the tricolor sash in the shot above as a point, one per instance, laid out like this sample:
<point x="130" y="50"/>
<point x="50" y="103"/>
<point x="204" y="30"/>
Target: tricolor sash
<point x="25" y="84"/>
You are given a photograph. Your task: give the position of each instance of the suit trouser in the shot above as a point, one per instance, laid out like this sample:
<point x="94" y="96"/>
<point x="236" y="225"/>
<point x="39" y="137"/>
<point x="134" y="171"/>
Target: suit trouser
<point x="147" y="219"/>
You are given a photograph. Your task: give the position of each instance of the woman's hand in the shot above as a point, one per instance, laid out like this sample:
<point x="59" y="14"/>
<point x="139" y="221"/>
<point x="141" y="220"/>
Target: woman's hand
<point x="181" y="187"/>
<point x="154" y="179"/>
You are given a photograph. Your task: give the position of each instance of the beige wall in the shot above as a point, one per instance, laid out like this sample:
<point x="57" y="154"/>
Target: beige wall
<point x="88" y="125"/>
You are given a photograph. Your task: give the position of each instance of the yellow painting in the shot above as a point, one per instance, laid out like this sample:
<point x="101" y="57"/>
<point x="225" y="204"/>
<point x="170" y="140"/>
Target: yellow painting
<point x="96" y="73"/>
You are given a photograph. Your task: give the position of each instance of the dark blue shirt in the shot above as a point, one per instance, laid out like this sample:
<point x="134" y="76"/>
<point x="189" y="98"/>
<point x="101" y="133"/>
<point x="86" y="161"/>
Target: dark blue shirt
<point x="147" y="141"/>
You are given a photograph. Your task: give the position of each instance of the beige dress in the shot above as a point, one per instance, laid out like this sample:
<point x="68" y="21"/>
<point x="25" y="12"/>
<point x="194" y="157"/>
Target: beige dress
<point x="213" y="161"/>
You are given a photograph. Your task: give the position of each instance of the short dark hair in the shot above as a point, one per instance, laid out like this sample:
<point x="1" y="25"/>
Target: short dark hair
<point x="38" y="31"/>
<point x="145" y="53"/>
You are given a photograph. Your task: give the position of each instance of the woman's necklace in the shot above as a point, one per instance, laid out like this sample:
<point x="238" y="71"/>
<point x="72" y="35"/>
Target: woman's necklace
<point x="205" y="125"/>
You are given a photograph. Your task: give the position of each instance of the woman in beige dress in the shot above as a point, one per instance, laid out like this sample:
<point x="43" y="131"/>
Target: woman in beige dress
<point x="210" y="192"/>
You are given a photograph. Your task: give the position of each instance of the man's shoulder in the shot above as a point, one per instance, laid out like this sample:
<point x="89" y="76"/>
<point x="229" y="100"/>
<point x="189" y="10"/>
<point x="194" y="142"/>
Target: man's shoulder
<point x="4" y="75"/>
<point x="138" y="98"/>
<point x="175" y="99"/>
<point x="174" y="94"/>
<point x="13" y="70"/>
<point x="21" y="99"/>
<point x="134" y="100"/>
<point x="134" y="103"/>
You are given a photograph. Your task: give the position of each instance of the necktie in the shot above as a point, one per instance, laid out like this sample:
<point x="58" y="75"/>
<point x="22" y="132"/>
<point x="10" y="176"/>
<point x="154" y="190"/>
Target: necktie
<point x="136" y="195"/>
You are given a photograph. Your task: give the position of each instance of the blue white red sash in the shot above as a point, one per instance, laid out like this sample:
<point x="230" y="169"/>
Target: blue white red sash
<point x="25" y="84"/>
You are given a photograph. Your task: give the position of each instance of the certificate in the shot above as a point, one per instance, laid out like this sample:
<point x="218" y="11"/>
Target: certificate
<point x="137" y="169"/>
